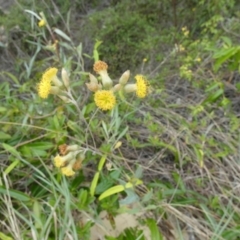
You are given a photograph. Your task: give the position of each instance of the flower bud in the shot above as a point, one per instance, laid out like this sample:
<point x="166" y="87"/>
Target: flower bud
<point x="93" y="87"/>
<point x="106" y="80"/>
<point x="117" y="87"/>
<point x="65" y="99"/>
<point x="65" y="78"/>
<point x="93" y="79"/>
<point x="124" y="78"/>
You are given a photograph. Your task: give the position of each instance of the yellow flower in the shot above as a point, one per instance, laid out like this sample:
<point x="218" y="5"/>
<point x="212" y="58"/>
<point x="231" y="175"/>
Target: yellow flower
<point x="105" y="99"/>
<point x="44" y="87"/>
<point x="101" y="67"/>
<point x="41" y="23"/>
<point x="50" y="73"/>
<point x="68" y="170"/>
<point x="60" y="161"/>
<point x="142" y="86"/>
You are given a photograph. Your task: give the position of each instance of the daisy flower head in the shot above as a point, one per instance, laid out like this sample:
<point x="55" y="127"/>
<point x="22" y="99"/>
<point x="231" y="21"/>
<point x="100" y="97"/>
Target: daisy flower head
<point x="44" y="88"/>
<point x="51" y="76"/>
<point x="142" y="86"/>
<point x="45" y="85"/>
<point x="105" y="99"/>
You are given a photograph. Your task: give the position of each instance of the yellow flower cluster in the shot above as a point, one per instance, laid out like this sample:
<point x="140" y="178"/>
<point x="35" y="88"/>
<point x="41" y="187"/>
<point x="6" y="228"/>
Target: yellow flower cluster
<point x="49" y="77"/>
<point x="44" y="87"/>
<point x="104" y="96"/>
<point x="70" y="159"/>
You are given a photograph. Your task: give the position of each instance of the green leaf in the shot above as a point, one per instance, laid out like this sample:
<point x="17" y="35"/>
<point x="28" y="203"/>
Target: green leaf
<point x="37" y="214"/>
<point x="4" y="136"/>
<point x="15" y="194"/>
<point x="62" y="34"/>
<point x="122" y="133"/>
<point x="227" y="40"/>
<point x="111" y="191"/>
<point x="3" y="109"/>
<point x="11" y="76"/>
<point x="101" y="163"/>
<point x="4" y="237"/>
<point x="223" y="55"/>
<point x="94" y="183"/>
<point x="213" y="97"/>
<point x="225" y="52"/>
<point x="11" y="149"/>
<point x="155" y="234"/>
<point x="82" y="196"/>
<point x="148" y="196"/>
<point x="95" y="51"/>
<point x="11" y="167"/>
<point x="106" y="183"/>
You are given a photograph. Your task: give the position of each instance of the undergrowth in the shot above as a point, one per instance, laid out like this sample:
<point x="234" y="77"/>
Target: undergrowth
<point x="124" y="133"/>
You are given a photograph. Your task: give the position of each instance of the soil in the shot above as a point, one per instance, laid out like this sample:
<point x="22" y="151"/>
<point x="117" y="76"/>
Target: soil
<point x="5" y="4"/>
